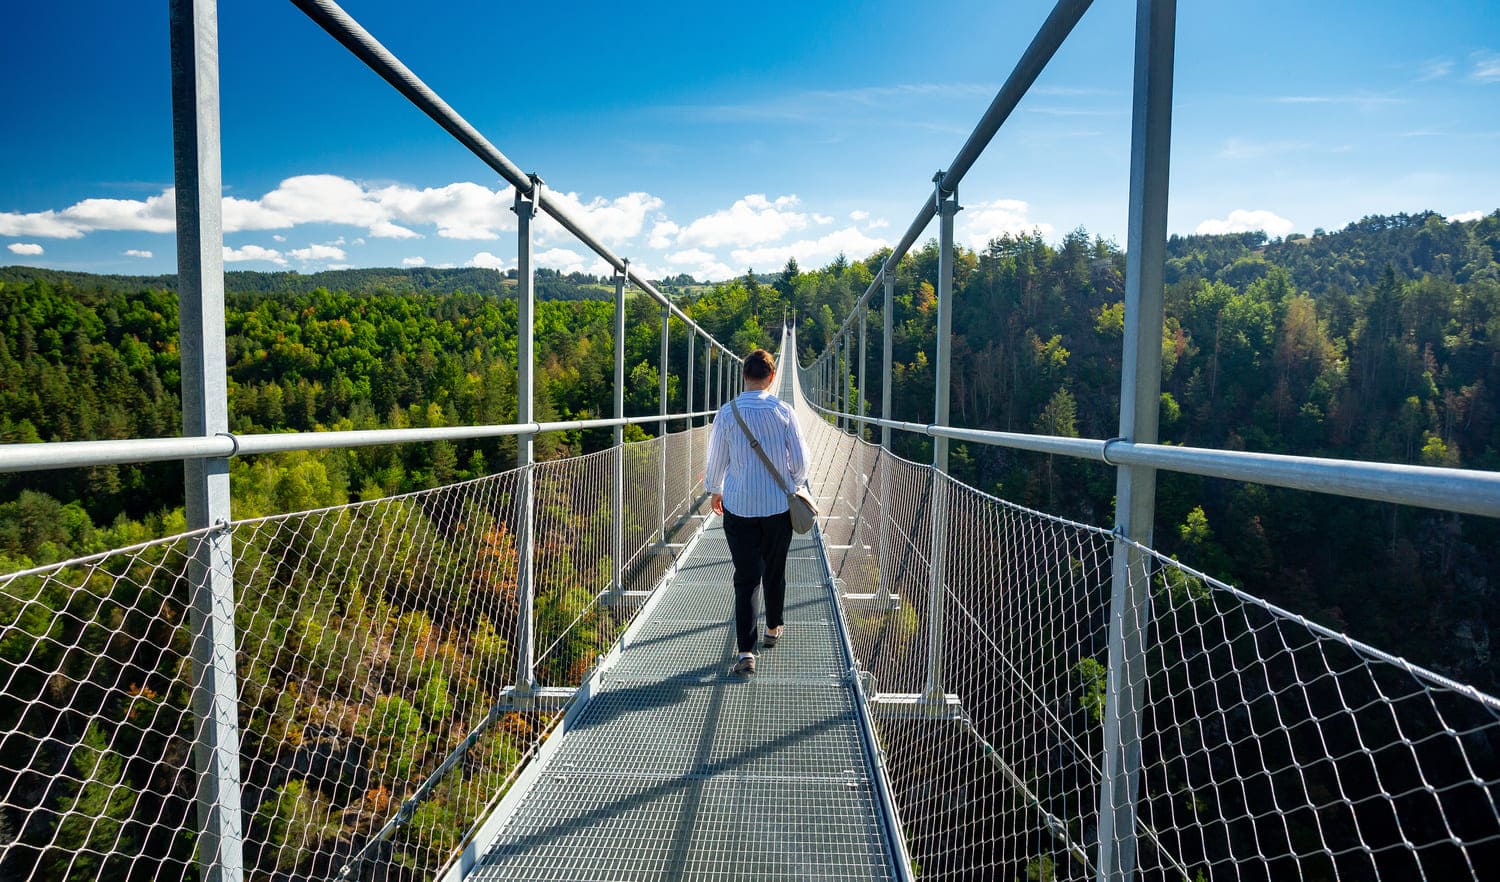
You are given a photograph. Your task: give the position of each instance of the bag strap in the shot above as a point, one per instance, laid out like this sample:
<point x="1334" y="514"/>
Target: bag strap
<point x="755" y="445"/>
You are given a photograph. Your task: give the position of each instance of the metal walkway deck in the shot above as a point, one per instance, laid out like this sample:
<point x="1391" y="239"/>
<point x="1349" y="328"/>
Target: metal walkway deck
<point x="675" y="769"/>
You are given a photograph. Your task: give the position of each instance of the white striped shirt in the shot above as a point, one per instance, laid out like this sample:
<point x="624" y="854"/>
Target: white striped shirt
<point x="736" y="471"/>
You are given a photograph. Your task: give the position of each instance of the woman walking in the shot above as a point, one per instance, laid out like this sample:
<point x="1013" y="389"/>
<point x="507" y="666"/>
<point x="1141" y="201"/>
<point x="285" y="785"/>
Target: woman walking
<point x="753" y="501"/>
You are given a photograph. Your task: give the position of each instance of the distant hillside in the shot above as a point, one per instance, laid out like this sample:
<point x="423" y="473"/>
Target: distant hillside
<point x="1414" y="245"/>
<point x="550" y="284"/>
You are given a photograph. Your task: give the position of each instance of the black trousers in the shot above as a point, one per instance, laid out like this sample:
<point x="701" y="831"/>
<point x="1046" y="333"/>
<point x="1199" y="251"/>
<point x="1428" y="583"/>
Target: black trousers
<point x="758" y="547"/>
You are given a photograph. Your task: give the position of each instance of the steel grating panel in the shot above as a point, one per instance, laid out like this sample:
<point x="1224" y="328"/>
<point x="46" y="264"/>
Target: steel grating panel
<point x="706" y="648"/>
<point x="714" y="547"/>
<point x="804" y="572"/>
<point x="676" y="769"/>
<point x="716" y="603"/>
<point x="780" y="731"/>
<point x="602" y="828"/>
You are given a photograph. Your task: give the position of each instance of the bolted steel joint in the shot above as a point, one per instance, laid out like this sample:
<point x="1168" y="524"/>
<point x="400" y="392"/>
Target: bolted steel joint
<point x="529" y="203"/>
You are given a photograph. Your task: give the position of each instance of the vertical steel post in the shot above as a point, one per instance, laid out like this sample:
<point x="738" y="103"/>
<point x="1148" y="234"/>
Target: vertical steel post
<point x="205" y="412"/>
<point x="840" y="374"/>
<point x="1140" y="401"/>
<point x="840" y="371"/>
<point x="863" y="379"/>
<point x="947" y="207"/>
<point x="617" y="486"/>
<point x="708" y="395"/>
<point x="661" y="427"/>
<point x="849" y="424"/>
<point x="526" y="209"/>
<point x="886" y="355"/>
<point x="823" y="375"/>
<point x="687" y="459"/>
<point x="708" y="378"/>
<point x="889" y="279"/>
<point x="836" y="387"/>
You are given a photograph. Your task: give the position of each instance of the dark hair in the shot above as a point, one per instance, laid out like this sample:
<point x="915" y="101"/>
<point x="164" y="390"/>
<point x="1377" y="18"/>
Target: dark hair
<point x="759" y="365"/>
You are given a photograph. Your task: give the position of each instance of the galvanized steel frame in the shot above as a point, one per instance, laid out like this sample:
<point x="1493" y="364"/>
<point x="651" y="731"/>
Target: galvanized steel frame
<point x="1134" y="453"/>
<point x="205" y="412"/>
<point x="207" y="443"/>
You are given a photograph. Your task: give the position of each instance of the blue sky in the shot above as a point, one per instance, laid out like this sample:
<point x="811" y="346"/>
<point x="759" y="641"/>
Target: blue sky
<point x="702" y="138"/>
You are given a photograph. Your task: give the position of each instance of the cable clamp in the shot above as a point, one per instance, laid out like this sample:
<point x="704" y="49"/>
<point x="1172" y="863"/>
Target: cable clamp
<point x="536" y="193"/>
<point x="235" y="450"/>
<point x="1104" y="454"/>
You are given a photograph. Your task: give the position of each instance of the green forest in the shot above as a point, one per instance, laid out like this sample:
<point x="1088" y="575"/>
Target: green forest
<point x="1378" y="341"/>
<point x="1374" y="342"/>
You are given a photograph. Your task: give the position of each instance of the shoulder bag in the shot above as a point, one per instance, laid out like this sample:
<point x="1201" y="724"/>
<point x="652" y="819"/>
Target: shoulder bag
<point x="799" y="503"/>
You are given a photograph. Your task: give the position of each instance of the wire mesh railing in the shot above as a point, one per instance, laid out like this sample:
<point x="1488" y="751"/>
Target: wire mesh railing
<point x="373" y="664"/>
<point x="1271" y="748"/>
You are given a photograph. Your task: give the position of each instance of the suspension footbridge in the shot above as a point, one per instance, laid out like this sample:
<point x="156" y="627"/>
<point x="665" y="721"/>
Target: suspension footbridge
<point x="525" y="675"/>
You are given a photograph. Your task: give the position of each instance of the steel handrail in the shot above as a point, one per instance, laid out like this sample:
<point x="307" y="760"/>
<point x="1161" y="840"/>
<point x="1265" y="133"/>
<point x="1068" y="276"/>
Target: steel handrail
<point x="1060" y="22"/>
<point x="83" y="454"/>
<point x="342" y="27"/>
<point x="1467" y="491"/>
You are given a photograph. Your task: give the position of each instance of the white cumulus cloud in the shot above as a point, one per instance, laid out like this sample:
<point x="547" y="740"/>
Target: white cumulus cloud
<point x="848" y="241"/>
<point x="858" y="215"/>
<point x="156" y="214"/>
<point x="561" y="259"/>
<point x="318" y="252"/>
<point x="253" y="252"/>
<point x="328" y="199"/>
<point x="749" y="221"/>
<point x="41" y="223"/>
<point x="414" y="261"/>
<point x="1243" y="220"/>
<point x="460" y="210"/>
<point x="136" y="252"/>
<point x="982" y="221"/>
<point x="699" y="264"/>
<point x="1466" y="216"/>
<point x="662" y="234"/>
<point x="612" y="221"/>
<point x="27" y="248"/>
<point x="488" y="261"/>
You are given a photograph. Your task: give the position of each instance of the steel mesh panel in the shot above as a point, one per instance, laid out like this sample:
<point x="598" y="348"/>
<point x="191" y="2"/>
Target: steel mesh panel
<point x="374" y="637"/>
<point x="1271" y="748"/>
